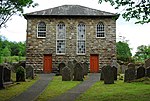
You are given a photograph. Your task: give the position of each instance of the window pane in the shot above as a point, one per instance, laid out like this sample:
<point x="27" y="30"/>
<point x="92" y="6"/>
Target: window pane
<point x="41" y="29"/>
<point x="60" y="46"/>
<point x="61" y="31"/>
<point x="81" y="46"/>
<point x="100" y="30"/>
<point x="41" y="34"/>
<point x="81" y="31"/>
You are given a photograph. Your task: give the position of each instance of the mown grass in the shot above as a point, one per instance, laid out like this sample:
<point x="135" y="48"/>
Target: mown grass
<point x="120" y="91"/>
<point x="15" y="89"/>
<point x="56" y="87"/>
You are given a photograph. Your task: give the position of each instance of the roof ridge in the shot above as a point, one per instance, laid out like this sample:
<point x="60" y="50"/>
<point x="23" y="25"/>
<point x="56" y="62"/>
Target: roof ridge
<point x="71" y="10"/>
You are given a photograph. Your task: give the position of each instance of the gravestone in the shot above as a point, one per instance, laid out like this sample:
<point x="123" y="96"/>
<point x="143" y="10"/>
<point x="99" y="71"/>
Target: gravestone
<point x="20" y="74"/>
<point x="71" y="66"/>
<point x="129" y="74"/>
<point x="78" y="72"/>
<point x="61" y="66"/>
<point x="131" y="65"/>
<point x="123" y="68"/>
<point x="66" y="74"/>
<point x="148" y="72"/>
<point x="102" y="74"/>
<point x="140" y="72"/>
<point x="85" y="68"/>
<point x="115" y="72"/>
<point x="7" y="75"/>
<point x="108" y="75"/>
<point x="22" y="63"/>
<point x="147" y="63"/>
<point x="1" y="77"/>
<point x="29" y="72"/>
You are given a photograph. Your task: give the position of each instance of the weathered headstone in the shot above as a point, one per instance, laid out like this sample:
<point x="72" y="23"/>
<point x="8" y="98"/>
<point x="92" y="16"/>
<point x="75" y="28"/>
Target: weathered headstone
<point x="147" y="63"/>
<point x="115" y="72"/>
<point x="71" y="66"/>
<point x="129" y="74"/>
<point x="148" y="71"/>
<point x="78" y="72"/>
<point x="85" y="68"/>
<point x="1" y="77"/>
<point x="140" y="72"/>
<point x="123" y="68"/>
<point x="7" y="75"/>
<point x="61" y="66"/>
<point x="20" y="74"/>
<point x="102" y="74"/>
<point x="29" y="72"/>
<point x="66" y="74"/>
<point x="22" y="63"/>
<point x="108" y="75"/>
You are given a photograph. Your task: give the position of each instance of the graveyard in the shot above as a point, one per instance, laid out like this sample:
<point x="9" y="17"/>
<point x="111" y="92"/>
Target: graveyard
<point x="130" y="83"/>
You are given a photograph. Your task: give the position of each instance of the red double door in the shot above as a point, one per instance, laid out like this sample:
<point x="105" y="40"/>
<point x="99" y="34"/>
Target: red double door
<point x="47" y="68"/>
<point x="94" y="63"/>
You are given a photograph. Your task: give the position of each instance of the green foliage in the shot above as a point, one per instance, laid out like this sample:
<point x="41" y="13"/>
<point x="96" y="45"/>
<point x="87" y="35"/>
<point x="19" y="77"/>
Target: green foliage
<point x="137" y="9"/>
<point x="11" y="7"/>
<point x="123" y="51"/>
<point x="15" y="48"/>
<point x="6" y="52"/>
<point x="143" y="53"/>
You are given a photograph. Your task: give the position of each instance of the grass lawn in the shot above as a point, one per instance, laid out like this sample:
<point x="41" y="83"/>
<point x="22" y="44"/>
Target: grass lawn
<point x="15" y="89"/>
<point x="56" y="87"/>
<point x="120" y="91"/>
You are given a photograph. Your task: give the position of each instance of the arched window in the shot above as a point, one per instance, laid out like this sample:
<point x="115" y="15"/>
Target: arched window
<point x="100" y="31"/>
<point x="61" y="38"/>
<point x="41" y="30"/>
<point x="81" y="39"/>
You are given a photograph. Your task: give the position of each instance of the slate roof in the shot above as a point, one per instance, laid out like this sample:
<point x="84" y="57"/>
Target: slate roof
<point x="70" y="10"/>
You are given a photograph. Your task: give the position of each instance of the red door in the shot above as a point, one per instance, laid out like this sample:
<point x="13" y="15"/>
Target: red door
<point x="94" y="63"/>
<point x="47" y="63"/>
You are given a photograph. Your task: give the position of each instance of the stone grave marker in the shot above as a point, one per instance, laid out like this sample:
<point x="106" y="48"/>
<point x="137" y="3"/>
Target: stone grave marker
<point x="115" y="72"/>
<point x="108" y="75"/>
<point x="1" y="77"/>
<point x="102" y="74"/>
<point x="78" y="72"/>
<point x="61" y="66"/>
<point x="71" y="66"/>
<point x="147" y="63"/>
<point x="148" y="72"/>
<point x="85" y="68"/>
<point x="7" y="75"/>
<point x="29" y="72"/>
<point x="140" y="72"/>
<point x="129" y="74"/>
<point x="66" y="74"/>
<point x="20" y="74"/>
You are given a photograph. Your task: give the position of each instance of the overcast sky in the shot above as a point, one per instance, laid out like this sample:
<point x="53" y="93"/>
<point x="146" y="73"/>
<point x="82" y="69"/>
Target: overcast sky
<point x="136" y="34"/>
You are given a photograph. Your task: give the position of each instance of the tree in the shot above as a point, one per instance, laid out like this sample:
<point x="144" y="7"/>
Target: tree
<point x="138" y="9"/>
<point x="6" y="52"/>
<point x="123" y="51"/>
<point x="143" y="52"/>
<point x="11" y="7"/>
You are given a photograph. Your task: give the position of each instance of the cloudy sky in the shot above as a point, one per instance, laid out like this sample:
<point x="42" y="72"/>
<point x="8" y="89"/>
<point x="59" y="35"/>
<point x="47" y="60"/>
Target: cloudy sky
<point x="136" y="34"/>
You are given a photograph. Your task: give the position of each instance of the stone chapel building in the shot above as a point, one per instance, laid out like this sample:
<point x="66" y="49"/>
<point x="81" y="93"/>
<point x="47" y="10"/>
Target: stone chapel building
<point x="69" y="32"/>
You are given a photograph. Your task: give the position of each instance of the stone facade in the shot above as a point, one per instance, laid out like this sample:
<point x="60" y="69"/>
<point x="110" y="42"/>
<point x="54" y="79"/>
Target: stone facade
<point x="37" y="47"/>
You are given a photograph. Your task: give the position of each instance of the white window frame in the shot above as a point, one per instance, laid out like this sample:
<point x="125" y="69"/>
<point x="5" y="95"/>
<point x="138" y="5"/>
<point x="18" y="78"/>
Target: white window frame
<point x="80" y="40"/>
<point x="100" y="23"/>
<point x="41" y="31"/>
<point x="60" y="39"/>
